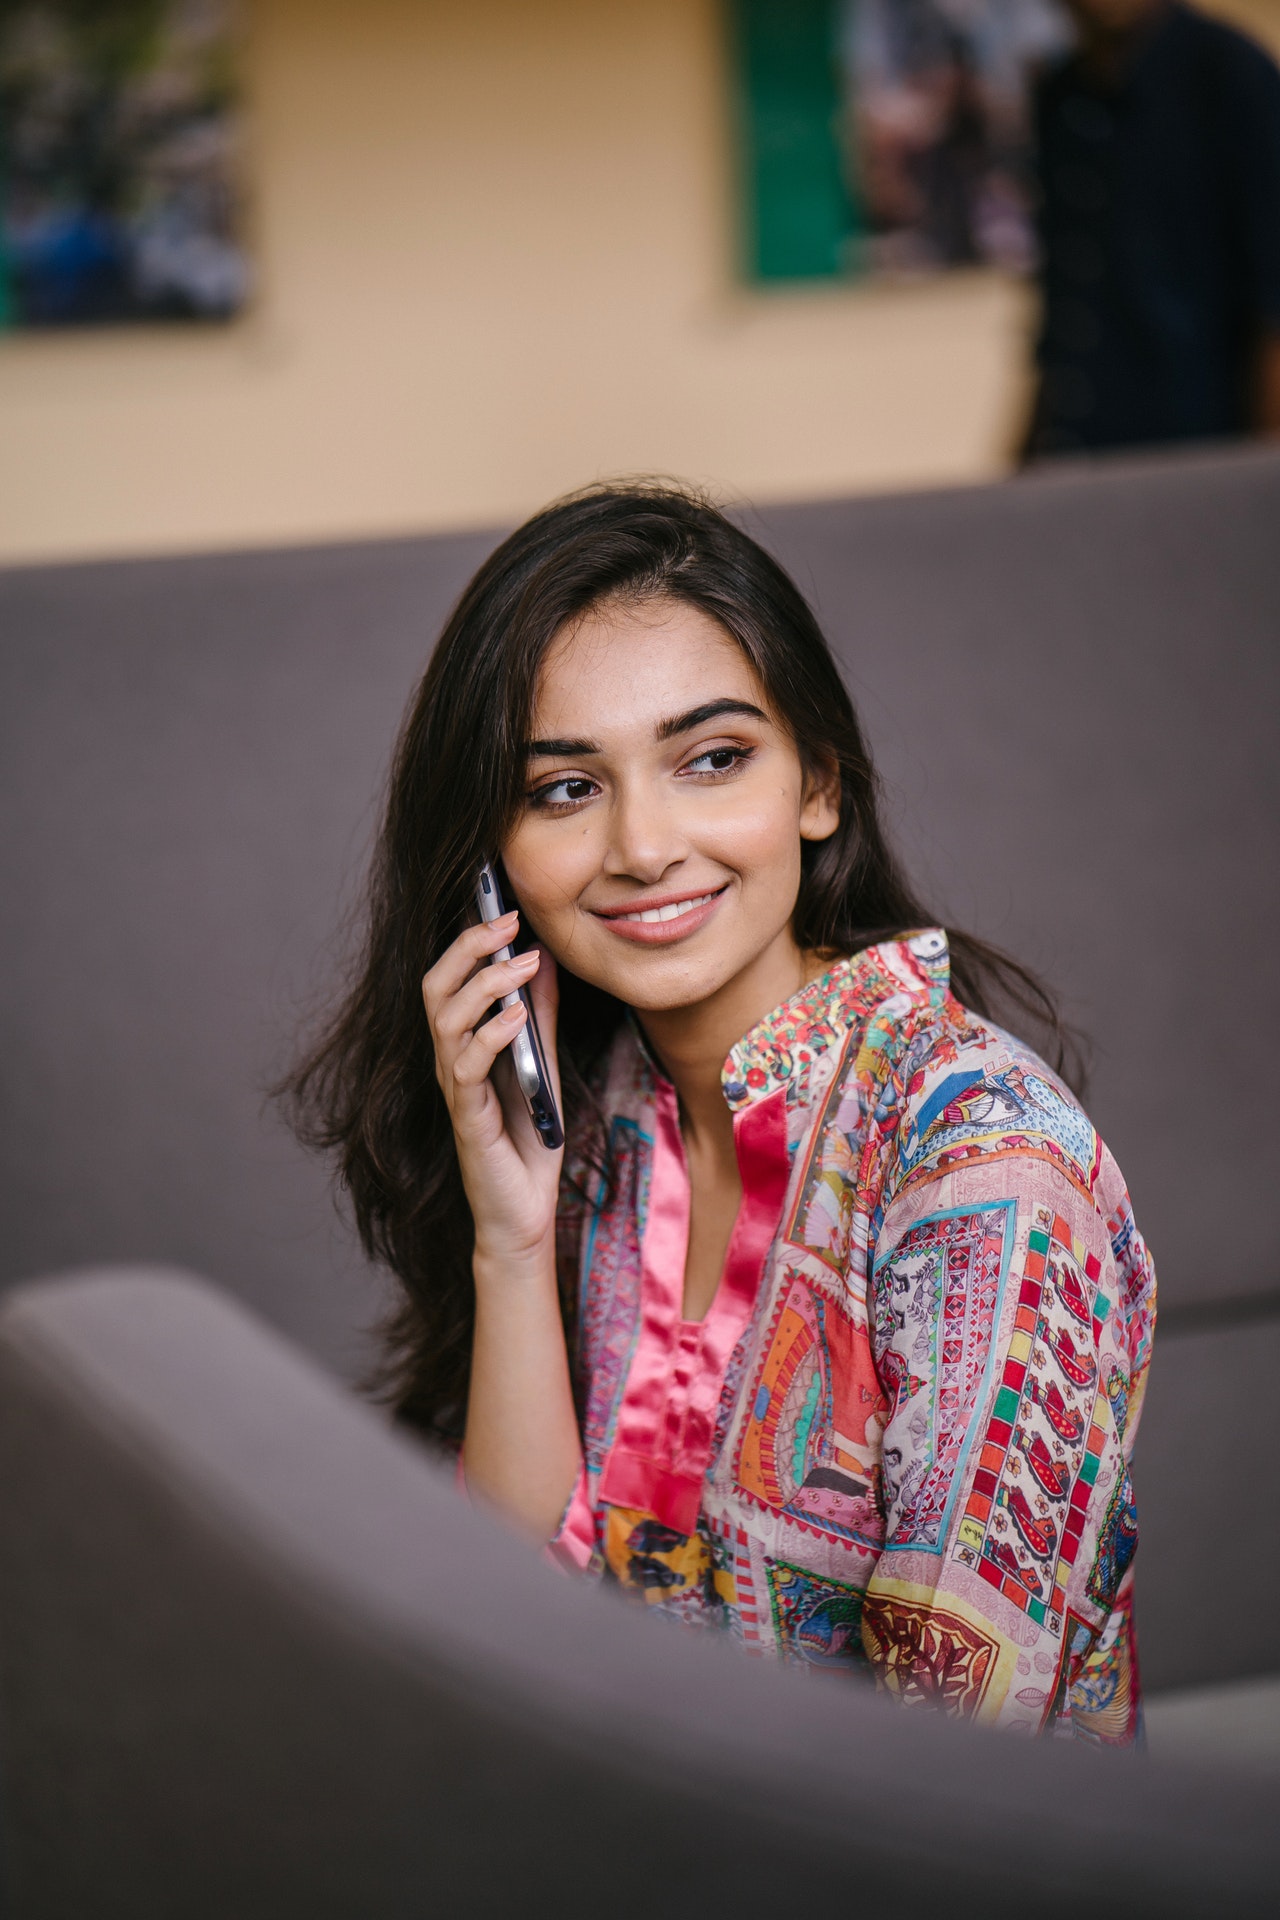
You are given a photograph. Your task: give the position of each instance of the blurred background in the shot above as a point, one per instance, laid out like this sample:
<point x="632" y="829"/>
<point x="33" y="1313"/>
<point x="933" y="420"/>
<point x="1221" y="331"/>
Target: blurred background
<point x="478" y="254"/>
<point x="303" y="301"/>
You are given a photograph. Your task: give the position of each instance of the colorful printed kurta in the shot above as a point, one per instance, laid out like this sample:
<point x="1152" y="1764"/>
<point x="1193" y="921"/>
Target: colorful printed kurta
<point x="900" y="1438"/>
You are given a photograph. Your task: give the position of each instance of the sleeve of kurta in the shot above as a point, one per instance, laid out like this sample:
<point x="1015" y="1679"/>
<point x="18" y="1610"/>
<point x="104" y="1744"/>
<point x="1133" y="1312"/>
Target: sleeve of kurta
<point x="1011" y="1301"/>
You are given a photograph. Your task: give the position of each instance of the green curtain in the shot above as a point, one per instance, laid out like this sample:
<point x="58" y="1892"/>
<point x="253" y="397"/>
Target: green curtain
<point x="799" y="214"/>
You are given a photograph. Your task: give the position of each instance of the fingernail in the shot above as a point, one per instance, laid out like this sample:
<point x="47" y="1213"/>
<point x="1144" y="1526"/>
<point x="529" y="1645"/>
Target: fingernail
<point x="529" y="958"/>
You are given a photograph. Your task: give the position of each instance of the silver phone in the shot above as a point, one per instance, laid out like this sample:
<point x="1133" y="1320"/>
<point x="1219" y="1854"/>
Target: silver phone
<point x="527" y="1053"/>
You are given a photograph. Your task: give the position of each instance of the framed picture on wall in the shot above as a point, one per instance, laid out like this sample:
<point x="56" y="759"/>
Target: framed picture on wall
<point x="119" y="163"/>
<point x="886" y="136"/>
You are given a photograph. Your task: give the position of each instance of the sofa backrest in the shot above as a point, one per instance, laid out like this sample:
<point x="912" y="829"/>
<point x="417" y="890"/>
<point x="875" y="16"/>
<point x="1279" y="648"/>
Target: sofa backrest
<point x="258" y="1657"/>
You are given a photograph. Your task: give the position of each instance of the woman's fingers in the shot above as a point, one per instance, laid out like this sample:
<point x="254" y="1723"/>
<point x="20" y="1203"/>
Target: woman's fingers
<point x="459" y="959"/>
<point x="457" y="993"/>
<point x="462" y="1012"/>
<point x="475" y="1061"/>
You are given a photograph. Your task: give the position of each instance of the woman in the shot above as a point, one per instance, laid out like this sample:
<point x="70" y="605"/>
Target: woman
<point x="832" y="1328"/>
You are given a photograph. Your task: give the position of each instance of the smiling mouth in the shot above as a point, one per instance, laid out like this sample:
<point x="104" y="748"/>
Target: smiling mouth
<point x="676" y="910"/>
<point x="665" y="918"/>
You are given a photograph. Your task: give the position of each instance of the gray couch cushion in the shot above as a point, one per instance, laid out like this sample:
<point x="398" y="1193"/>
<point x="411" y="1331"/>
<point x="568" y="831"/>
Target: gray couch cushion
<point x="258" y="1658"/>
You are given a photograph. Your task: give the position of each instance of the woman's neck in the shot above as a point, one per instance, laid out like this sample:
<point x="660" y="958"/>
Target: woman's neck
<point x="692" y="1043"/>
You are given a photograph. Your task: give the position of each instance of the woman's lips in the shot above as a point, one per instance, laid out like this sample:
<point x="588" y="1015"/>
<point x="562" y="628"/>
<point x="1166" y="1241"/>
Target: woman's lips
<point x="658" y="926"/>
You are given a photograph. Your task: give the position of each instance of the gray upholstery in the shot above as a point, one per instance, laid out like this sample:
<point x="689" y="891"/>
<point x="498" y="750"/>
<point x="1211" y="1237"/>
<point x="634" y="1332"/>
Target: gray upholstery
<point x="190" y="753"/>
<point x="1071" y="683"/>
<point x="1235" y="1724"/>
<point x="257" y="1658"/>
<point x="1209" y="1506"/>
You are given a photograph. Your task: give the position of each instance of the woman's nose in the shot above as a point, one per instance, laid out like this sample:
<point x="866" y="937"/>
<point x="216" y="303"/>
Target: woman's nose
<point x="645" y="835"/>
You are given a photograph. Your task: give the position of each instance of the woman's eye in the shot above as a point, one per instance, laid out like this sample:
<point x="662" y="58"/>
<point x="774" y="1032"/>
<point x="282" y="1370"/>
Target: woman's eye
<point x="719" y="760"/>
<point x="563" y="793"/>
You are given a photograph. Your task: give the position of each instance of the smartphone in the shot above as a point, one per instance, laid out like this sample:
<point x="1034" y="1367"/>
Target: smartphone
<point x="526" y="1049"/>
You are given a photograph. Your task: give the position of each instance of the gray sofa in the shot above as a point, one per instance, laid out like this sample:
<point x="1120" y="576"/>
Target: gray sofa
<point x="1071" y="682"/>
<point x="258" y="1659"/>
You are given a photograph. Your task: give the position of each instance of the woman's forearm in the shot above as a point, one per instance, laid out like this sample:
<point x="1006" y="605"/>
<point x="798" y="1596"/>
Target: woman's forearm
<point x="522" y="1448"/>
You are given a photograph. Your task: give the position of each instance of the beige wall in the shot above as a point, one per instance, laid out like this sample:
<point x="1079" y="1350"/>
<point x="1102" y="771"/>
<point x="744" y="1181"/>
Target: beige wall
<point x="493" y="243"/>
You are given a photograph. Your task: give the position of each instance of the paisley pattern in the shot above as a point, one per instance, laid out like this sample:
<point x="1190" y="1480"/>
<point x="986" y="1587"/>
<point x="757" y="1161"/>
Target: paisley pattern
<point x="900" y="1441"/>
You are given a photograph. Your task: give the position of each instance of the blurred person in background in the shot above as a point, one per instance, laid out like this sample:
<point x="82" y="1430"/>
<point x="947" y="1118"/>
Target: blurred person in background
<point x="1158" y="144"/>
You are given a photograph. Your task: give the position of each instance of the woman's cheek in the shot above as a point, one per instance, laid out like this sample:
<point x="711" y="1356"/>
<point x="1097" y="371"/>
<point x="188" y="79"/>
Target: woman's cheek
<point x="548" y="871"/>
<point x="763" y="843"/>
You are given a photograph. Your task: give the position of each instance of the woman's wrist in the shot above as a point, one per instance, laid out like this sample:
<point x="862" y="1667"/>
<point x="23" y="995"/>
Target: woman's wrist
<point x="525" y="1267"/>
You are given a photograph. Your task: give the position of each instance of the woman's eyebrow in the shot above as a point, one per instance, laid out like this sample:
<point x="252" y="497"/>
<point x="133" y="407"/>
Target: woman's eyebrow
<point x="562" y="749"/>
<point x="665" y="730"/>
<point x="699" y="716"/>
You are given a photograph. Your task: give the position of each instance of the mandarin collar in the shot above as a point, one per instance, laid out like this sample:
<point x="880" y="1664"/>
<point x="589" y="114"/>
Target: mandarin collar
<point x="780" y="1051"/>
<point x="882" y="982"/>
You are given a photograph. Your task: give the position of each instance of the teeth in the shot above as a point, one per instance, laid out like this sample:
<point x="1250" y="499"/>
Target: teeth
<point x="673" y="912"/>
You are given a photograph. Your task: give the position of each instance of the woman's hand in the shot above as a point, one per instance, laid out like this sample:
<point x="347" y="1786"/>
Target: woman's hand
<point x="511" y="1178"/>
<point x="521" y="1446"/>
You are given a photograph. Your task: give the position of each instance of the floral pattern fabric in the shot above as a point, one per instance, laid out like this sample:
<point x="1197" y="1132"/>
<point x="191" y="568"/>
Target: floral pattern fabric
<point x="899" y="1442"/>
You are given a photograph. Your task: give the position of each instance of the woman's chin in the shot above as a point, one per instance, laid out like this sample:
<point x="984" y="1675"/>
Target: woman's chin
<point x="664" y="984"/>
<point x="665" y="978"/>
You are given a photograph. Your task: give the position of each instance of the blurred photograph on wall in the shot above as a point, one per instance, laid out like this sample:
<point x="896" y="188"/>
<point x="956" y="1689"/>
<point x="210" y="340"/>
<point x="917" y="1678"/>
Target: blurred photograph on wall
<point x="938" y="130"/>
<point x="888" y="136"/>
<point x="119" y="162"/>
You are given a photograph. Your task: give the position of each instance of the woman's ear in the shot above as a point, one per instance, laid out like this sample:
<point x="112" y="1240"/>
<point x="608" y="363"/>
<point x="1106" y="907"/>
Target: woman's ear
<point x="820" y="807"/>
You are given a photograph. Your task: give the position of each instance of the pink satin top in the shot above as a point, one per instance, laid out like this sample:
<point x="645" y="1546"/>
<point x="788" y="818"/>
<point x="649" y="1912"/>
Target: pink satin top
<point x="899" y="1441"/>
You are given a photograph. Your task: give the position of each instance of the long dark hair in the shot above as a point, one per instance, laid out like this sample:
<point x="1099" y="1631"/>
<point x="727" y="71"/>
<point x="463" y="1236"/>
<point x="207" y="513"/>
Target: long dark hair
<point x="366" y="1092"/>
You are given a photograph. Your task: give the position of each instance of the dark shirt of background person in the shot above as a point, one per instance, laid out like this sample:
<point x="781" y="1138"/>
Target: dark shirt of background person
<point x="1158" y="146"/>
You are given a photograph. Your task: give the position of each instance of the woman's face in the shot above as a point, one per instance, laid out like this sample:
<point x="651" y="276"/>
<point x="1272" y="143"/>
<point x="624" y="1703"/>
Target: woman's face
<point x="657" y="854"/>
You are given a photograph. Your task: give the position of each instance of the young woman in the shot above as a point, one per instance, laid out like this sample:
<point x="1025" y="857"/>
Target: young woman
<point x="832" y="1327"/>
